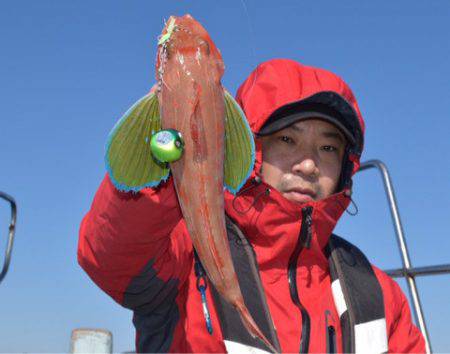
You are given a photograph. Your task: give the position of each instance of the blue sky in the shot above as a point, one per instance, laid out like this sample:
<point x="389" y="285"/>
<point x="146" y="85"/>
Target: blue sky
<point x="69" y="69"/>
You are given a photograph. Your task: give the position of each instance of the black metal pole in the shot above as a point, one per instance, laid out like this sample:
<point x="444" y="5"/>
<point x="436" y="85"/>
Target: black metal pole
<point x="419" y="271"/>
<point x="12" y="229"/>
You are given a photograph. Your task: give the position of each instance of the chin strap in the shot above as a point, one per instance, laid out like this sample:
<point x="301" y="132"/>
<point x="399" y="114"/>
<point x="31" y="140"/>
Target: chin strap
<point x="348" y="194"/>
<point x="254" y="183"/>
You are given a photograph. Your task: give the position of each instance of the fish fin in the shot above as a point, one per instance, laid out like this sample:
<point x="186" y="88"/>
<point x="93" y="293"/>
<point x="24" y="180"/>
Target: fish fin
<point x="239" y="146"/>
<point x="129" y="161"/>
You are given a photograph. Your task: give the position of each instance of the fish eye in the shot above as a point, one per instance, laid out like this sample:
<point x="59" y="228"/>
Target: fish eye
<point x="204" y="45"/>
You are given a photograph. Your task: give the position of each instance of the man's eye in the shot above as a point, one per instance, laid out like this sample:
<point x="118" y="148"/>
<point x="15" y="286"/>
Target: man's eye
<point x="286" y="139"/>
<point x="329" y="148"/>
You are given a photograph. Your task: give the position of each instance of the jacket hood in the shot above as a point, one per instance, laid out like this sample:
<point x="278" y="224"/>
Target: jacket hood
<point x="268" y="219"/>
<point x="280" y="82"/>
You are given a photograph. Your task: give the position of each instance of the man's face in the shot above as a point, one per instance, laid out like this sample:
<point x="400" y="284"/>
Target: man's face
<point x="303" y="161"/>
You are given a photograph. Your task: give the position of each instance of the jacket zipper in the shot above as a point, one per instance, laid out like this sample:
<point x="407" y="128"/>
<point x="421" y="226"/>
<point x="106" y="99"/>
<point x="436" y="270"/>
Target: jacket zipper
<point x="331" y="339"/>
<point x="330" y="333"/>
<point x="304" y="241"/>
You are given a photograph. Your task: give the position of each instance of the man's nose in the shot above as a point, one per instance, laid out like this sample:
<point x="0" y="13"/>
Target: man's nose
<point x="306" y="166"/>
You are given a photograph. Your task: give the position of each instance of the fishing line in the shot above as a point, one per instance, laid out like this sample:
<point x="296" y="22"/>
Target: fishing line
<point x="251" y="43"/>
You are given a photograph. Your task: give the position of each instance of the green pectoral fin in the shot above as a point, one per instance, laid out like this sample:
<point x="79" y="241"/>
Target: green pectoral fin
<point x="239" y="146"/>
<point x="129" y="160"/>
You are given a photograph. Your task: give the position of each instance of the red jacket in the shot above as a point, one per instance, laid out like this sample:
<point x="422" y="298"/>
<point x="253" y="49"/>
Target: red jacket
<point x="137" y="249"/>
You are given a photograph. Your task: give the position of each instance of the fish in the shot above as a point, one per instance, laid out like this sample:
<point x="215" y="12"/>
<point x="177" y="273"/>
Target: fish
<point x="218" y="148"/>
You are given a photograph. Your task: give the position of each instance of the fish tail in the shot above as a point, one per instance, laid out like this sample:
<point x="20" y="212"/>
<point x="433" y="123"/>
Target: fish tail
<point x="252" y="327"/>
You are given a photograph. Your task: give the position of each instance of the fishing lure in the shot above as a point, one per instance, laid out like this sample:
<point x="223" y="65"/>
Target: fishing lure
<point x="169" y="30"/>
<point x="167" y="145"/>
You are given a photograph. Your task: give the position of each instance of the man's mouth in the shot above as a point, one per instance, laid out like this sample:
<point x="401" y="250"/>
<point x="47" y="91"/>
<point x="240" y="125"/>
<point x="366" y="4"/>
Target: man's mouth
<point x="300" y="195"/>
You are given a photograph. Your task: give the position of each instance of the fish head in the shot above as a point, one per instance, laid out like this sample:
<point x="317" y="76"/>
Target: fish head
<point x="186" y="43"/>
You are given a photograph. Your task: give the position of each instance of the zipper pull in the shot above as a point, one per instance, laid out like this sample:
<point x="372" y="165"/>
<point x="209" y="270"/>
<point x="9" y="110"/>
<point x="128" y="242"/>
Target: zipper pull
<point x="202" y="285"/>
<point x="306" y="226"/>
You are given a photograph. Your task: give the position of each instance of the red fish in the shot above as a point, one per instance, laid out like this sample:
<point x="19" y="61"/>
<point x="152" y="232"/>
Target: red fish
<point x="191" y="99"/>
<point x="218" y="148"/>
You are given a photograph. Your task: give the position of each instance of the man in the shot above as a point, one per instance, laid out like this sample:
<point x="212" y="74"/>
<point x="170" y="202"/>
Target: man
<point x="308" y="291"/>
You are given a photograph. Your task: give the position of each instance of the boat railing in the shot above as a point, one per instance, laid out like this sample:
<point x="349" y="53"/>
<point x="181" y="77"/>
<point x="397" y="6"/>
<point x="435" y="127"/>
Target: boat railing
<point x="407" y="271"/>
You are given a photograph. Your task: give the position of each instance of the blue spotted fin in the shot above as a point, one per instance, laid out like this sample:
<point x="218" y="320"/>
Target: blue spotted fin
<point x="239" y="146"/>
<point x="129" y="160"/>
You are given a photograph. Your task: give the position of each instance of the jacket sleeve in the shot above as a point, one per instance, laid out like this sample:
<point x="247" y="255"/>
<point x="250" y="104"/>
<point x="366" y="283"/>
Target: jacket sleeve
<point x="403" y="335"/>
<point x="134" y="245"/>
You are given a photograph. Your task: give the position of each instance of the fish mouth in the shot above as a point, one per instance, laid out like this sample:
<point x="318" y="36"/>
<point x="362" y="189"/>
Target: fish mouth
<point x="193" y="43"/>
<point x="183" y="32"/>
